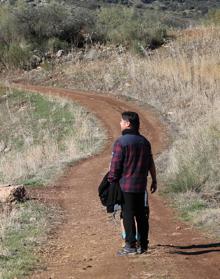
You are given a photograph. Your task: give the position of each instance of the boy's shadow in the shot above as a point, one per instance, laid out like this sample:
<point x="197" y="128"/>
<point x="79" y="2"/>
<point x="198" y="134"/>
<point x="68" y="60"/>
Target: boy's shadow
<point x="200" y="249"/>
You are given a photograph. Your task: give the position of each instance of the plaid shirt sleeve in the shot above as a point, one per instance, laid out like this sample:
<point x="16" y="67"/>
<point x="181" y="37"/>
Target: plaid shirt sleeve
<point x="116" y="166"/>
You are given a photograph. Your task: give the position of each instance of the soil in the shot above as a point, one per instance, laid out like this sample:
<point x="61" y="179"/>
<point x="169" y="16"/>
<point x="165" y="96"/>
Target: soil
<point x="85" y="244"/>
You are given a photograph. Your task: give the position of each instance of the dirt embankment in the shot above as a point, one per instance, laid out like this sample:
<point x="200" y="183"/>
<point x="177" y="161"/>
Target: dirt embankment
<point x="85" y="245"/>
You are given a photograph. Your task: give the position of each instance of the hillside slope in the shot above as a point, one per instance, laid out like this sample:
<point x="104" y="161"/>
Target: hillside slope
<point x="186" y="7"/>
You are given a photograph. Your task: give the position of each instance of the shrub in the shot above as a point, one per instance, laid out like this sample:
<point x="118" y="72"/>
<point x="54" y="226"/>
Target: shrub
<point x="8" y="26"/>
<point x="17" y="56"/>
<point x="128" y="27"/>
<point x="213" y="17"/>
<point x="54" y="44"/>
<point x="22" y="22"/>
<point x="14" y="56"/>
<point x="63" y="21"/>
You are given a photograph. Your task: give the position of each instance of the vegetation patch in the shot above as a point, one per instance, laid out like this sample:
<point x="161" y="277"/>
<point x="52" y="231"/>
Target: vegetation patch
<point x="25" y="42"/>
<point x="22" y="230"/>
<point x="129" y="27"/>
<point x="198" y="170"/>
<point x="40" y="135"/>
<point x="190" y="204"/>
<point x="202" y="213"/>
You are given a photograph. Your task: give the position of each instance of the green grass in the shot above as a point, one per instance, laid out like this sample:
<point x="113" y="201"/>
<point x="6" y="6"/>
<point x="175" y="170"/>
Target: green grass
<point x="189" y="204"/>
<point x="183" y="181"/>
<point x="188" y="212"/>
<point x="32" y="181"/>
<point x="22" y="231"/>
<point x="30" y="114"/>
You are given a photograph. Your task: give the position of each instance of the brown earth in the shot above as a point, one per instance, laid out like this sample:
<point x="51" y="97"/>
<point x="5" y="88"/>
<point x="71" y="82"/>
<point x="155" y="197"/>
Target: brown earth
<point x="85" y="245"/>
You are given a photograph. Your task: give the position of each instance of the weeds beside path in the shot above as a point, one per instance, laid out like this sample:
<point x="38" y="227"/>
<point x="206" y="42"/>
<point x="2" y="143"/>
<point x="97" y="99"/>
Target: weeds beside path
<point x="39" y="136"/>
<point x="85" y="245"/>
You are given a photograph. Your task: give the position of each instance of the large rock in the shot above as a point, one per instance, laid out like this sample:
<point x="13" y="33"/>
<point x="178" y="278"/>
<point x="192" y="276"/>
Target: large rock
<point x="9" y="193"/>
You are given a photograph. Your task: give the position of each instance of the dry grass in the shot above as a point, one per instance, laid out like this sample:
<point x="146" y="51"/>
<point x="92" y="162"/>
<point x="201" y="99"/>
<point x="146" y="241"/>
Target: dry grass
<point x="182" y="81"/>
<point x="209" y="219"/>
<point x="173" y="79"/>
<point x="39" y="136"/>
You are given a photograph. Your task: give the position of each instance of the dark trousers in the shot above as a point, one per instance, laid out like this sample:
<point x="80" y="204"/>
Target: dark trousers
<point x="133" y="208"/>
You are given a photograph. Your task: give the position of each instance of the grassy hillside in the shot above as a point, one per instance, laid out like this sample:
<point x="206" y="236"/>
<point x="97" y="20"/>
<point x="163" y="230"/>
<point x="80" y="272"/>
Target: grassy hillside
<point x="39" y="136"/>
<point x="185" y="6"/>
<point x="26" y="39"/>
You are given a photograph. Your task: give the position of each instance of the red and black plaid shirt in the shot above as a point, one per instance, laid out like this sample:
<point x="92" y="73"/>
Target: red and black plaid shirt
<point x="131" y="160"/>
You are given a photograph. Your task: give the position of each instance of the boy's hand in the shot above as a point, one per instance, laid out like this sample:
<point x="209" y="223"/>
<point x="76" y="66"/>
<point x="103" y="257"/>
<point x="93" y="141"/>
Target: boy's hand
<point x="153" y="187"/>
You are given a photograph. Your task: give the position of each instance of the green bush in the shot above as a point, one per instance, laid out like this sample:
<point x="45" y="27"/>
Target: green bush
<point x="54" y="44"/>
<point x="8" y="26"/>
<point x="129" y="27"/>
<point x="62" y="21"/>
<point x="14" y="56"/>
<point x="68" y="25"/>
<point x="21" y="22"/>
<point x="17" y="57"/>
<point x="186" y="179"/>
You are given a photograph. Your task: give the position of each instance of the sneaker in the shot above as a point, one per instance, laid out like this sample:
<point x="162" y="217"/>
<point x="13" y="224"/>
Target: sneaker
<point x="126" y="251"/>
<point x="141" y="250"/>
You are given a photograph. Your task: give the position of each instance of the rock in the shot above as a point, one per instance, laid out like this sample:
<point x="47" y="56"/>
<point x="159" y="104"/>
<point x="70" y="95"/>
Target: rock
<point x="9" y="193"/>
<point x="176" y="233"/>
<point x="59" y="53"/>
<point x="178" y="228"/>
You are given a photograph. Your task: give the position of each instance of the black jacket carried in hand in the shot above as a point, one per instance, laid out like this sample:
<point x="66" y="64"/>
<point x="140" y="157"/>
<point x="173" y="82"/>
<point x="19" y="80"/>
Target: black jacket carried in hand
<point x="109" y="194"/>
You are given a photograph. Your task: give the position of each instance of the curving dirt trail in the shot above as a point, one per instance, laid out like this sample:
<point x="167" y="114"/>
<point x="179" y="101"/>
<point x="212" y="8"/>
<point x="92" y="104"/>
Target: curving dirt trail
<point x="85" y="245"/>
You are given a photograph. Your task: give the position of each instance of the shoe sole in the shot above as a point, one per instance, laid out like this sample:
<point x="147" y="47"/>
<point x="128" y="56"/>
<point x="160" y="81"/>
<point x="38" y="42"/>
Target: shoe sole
<point x="126" y="254"/>
<point x="121" y="253"/>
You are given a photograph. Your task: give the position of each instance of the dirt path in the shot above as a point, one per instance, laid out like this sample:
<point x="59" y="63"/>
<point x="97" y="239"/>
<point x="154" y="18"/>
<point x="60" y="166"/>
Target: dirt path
<point x="85" y="245"/>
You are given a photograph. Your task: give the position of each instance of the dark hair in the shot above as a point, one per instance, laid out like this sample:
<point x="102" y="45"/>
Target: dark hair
<point x="133" y="118"/>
